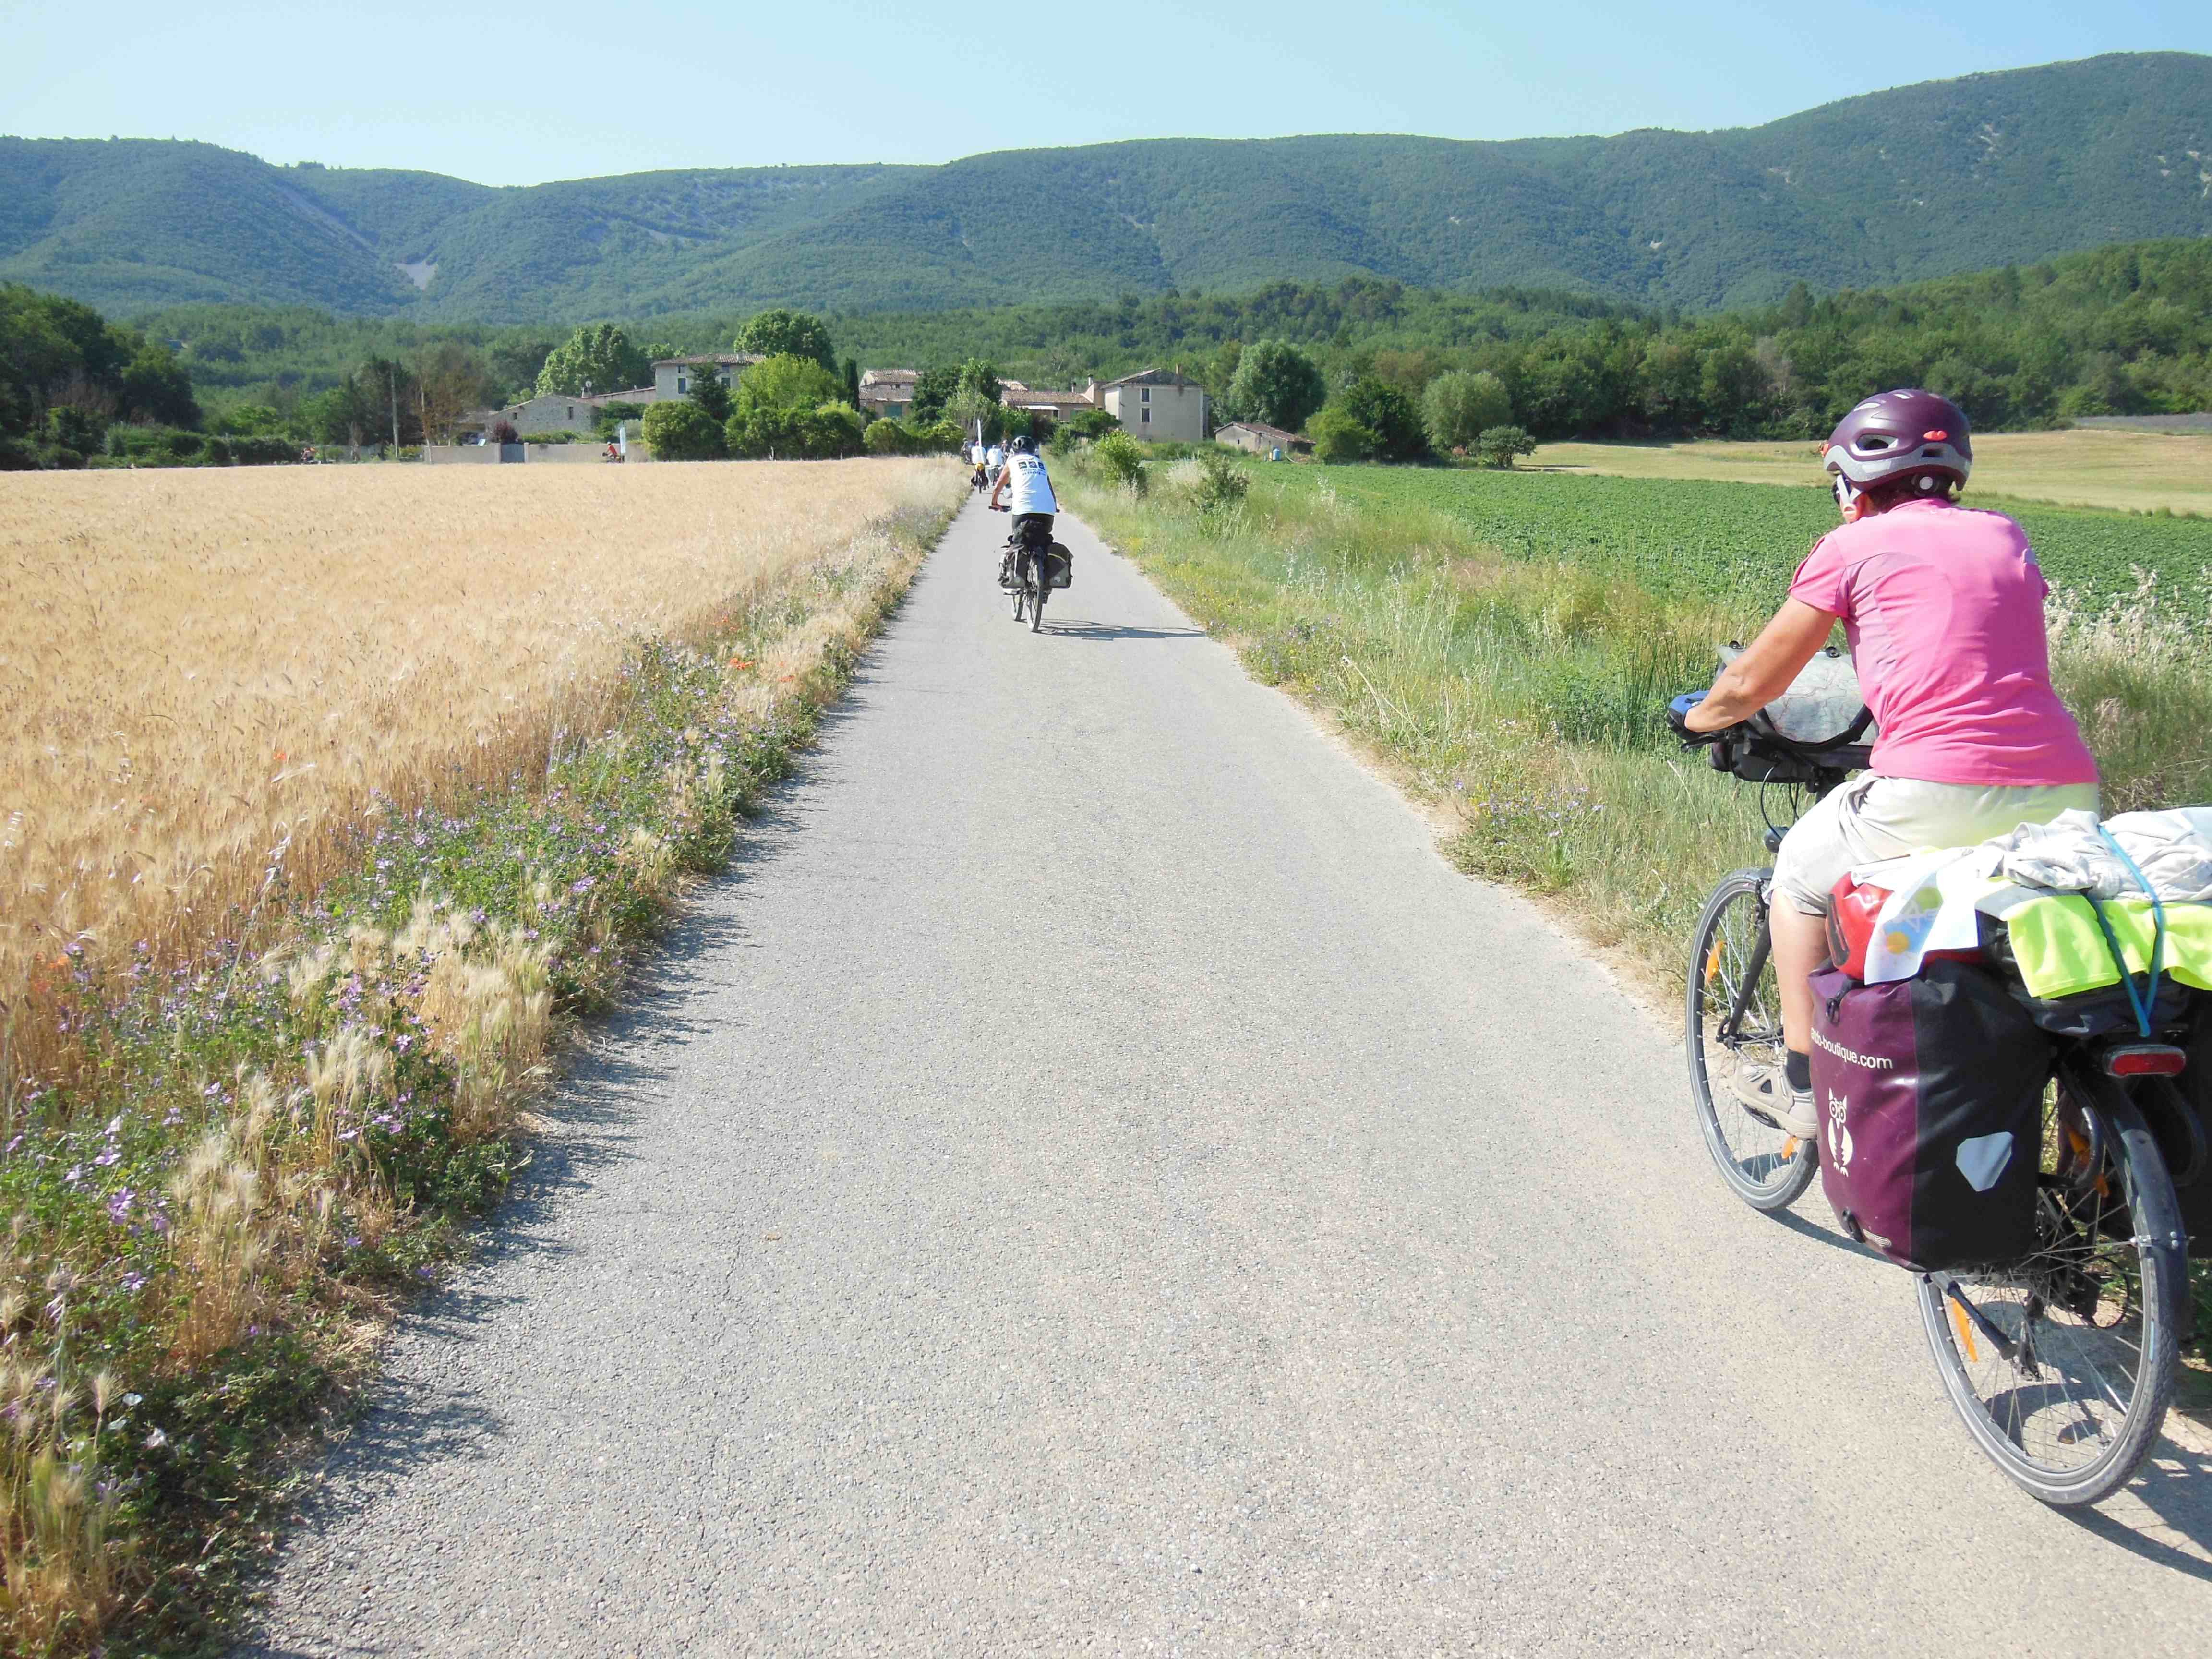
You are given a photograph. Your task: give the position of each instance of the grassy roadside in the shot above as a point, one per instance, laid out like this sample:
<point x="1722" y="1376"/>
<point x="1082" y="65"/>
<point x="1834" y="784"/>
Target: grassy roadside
<point x="1520" y="695"/>
<point x="268" y="1148"/>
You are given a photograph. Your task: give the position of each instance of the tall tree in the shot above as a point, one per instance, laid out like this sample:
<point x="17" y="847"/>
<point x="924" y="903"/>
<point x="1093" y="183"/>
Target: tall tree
<point x="709" y="393"/>
<point x="782" y="333"/>
<point x="933" y="390"/>
<point x="1277" y="383"/>
<point x="1458" y="407"/>
<point x="598" y="354"/>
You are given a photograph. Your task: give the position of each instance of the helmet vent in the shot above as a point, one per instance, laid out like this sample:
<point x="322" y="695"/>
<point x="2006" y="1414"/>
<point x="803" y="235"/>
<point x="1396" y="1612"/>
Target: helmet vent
<point x="1874" y="441"/>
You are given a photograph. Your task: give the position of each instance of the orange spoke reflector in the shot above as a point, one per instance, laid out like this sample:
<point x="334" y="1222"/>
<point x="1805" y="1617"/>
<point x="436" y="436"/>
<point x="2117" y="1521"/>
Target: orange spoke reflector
<point x="1790" y="1148"/>
<point x="1713" y="963"/>
<point x="1965" y="1327"/>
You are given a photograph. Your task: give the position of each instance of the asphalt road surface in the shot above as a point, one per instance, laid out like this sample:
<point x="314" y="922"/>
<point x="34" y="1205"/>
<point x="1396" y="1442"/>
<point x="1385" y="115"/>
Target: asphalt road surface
<point x="1094" y="1180"/>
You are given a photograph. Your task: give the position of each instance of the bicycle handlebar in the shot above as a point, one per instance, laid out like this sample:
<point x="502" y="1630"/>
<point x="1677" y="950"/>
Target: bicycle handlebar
<point x="1754" y="752"/>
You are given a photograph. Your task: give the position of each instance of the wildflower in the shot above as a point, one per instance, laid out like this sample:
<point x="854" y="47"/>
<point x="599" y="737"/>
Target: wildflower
<point x="133" y="1282"/>
<point x="155" y="1441"/>
<point x="75" y="1174"/>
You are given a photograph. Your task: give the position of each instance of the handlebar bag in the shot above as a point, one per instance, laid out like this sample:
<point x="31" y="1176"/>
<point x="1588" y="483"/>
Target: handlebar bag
<point x="1929" y="1092"/>
<point x="1823" y="706"/>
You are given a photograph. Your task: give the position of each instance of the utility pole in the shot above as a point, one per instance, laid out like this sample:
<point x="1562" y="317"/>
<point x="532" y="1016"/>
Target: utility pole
<point x="392" y="373"/>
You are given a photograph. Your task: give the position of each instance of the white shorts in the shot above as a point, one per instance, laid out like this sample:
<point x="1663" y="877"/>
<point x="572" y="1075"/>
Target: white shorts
<point x="1874" y="817"/>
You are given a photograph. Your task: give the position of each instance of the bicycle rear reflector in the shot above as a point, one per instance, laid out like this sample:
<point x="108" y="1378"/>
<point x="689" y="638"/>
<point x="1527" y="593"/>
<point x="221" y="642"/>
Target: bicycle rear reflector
<point x="2146" y="1060"/>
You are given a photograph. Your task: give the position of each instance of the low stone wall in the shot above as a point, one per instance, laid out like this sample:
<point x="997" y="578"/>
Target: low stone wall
<point x="574" y="454"/>
<point x="494" y="454"/>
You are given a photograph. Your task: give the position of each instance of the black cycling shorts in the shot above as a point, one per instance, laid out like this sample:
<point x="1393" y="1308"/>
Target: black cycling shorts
<point x="1033" y="529"/>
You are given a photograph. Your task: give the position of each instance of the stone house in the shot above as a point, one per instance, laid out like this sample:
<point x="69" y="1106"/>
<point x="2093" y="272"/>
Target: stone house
<point x="552" y="411"/>
<point x="1261" y="439"/>
<point x="1055" y="406"/>
<point x="887" y="393"/>
<point x="1160" y="405"/>
<point x="672" y="376"/>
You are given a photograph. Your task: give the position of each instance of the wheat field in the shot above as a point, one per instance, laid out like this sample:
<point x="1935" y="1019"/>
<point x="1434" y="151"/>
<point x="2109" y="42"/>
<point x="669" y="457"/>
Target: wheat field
<point x="2132" y="472"/>
<point x="206" y="675"/>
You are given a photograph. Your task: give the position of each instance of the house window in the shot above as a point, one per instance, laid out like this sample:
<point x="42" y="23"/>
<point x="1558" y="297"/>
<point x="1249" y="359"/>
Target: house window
<point x="682" y="385"/>
<point x="572" y="411"/>
<point x="1145" y="395"/>
<point x="1144" y="417"/>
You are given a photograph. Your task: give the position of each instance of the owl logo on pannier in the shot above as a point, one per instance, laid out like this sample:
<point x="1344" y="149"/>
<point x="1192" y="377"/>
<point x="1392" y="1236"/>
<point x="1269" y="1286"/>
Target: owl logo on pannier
<point x="1839" y="1134"/>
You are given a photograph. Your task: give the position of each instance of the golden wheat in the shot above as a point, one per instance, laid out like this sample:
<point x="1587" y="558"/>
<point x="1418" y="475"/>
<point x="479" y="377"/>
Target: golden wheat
<point x="206" y="675"/>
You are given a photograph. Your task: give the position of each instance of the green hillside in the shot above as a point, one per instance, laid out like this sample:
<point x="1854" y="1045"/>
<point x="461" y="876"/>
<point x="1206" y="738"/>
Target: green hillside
<point x="1918" y="182"/>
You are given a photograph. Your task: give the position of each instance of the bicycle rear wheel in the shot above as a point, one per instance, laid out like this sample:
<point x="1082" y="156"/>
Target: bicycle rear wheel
<point x="1731" y="970"/>
<point x="2063" y="1366"/>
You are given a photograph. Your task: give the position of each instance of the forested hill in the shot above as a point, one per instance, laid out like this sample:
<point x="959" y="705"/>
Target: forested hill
<point x="1917" y="182"/>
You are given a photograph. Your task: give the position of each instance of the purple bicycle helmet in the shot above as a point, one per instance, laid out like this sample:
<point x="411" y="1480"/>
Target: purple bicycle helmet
<point x="1893" y="435"/>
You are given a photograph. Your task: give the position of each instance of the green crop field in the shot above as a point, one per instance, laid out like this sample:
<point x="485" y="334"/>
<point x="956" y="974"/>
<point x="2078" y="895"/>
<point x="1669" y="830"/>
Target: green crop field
<point x="1738" y="543"/>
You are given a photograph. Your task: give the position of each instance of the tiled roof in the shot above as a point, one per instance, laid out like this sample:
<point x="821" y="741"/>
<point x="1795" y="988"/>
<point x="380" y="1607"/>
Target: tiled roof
<point x="1272" y="434"/>
<point x="725" y="359"/>
<point x="888" y="377"/>
<point x="1155" y="377"/>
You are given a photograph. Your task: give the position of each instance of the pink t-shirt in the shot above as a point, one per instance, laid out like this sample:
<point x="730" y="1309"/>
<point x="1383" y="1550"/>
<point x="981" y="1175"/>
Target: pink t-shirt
<point x="1943" y="607"/>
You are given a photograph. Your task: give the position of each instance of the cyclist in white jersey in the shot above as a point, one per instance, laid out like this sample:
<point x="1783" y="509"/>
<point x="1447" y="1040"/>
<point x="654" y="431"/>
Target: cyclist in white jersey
<point x="1023" y="478"/>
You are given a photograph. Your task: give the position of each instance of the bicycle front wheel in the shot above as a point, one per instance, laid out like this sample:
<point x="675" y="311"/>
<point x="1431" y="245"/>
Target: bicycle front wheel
<point x="2062" y="1365"/>
<point x="1733" y="1017"/>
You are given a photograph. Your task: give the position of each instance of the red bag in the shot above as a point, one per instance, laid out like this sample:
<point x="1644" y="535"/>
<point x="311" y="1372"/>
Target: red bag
<point x="1852" y="910"/>
<point x="1852" y="907"/>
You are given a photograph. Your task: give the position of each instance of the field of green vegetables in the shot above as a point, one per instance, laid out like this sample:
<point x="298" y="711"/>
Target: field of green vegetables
<point x="1738" y="543"/>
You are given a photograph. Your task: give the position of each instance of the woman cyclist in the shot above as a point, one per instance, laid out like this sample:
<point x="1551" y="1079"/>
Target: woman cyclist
<point x="1943" y="609"/>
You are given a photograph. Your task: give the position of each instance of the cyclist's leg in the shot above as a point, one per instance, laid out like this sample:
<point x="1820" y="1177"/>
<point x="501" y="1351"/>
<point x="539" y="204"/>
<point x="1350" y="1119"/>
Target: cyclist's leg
<point x="1875" y="817"/>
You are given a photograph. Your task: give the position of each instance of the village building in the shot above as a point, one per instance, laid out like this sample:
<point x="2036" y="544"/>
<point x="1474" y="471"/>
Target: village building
<point x="887" y="393"/>
<point x="1261" y="439"/>
<point x="672" y="376"/>
<point x="1160" y="405"/>
<point x="1055" y="406"/>
<point x="550" y="411"/>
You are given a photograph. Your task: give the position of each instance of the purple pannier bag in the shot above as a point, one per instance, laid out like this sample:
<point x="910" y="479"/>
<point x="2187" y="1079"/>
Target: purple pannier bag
<point x="1929" y="1092"/>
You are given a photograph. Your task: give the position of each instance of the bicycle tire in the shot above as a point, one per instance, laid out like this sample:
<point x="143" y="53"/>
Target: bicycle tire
<point x="1767" y="1168"/>
<point x="2031" y="1418"/>
<point x="1041" y="577"/>
<point x="1019" y="596"/>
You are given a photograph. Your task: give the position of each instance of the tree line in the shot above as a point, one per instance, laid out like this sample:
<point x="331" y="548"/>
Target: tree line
<point x="2121" y="329"/>
<point x="67" y="375"/>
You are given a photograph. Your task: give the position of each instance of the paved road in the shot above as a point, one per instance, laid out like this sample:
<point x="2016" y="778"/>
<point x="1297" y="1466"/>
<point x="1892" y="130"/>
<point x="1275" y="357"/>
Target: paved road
<point x="1095" y="1181"/>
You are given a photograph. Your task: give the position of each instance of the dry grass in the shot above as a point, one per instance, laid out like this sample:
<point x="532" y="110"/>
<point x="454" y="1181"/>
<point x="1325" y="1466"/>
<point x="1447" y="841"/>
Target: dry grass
<point x="210" y="679"/>
<point x="204" y="674"/>
<point x="2135" y="472"/>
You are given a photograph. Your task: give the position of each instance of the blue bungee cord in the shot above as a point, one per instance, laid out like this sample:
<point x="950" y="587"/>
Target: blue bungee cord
<point x="2142" y="1002"/>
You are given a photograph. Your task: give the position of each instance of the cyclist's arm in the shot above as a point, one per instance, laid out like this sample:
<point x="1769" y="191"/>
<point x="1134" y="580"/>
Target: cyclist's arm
<point x="1763" y="673"/>
<point x="998" y="484"/>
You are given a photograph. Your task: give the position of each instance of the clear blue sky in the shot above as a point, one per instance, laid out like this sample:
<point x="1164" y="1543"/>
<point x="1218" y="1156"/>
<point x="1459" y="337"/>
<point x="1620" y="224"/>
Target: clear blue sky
<point x="517" y="91"/>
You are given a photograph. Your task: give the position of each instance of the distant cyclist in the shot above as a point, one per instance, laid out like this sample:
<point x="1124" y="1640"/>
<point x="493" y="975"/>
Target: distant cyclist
<point x="1023" y="480"/>
<point x="1944" y="608"/>
<point x="993" y="459"/>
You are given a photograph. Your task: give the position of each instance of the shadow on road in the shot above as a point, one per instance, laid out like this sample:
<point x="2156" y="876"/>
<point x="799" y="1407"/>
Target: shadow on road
<point x="2176" y="1486"/>
<point x="1091" y="630"/>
